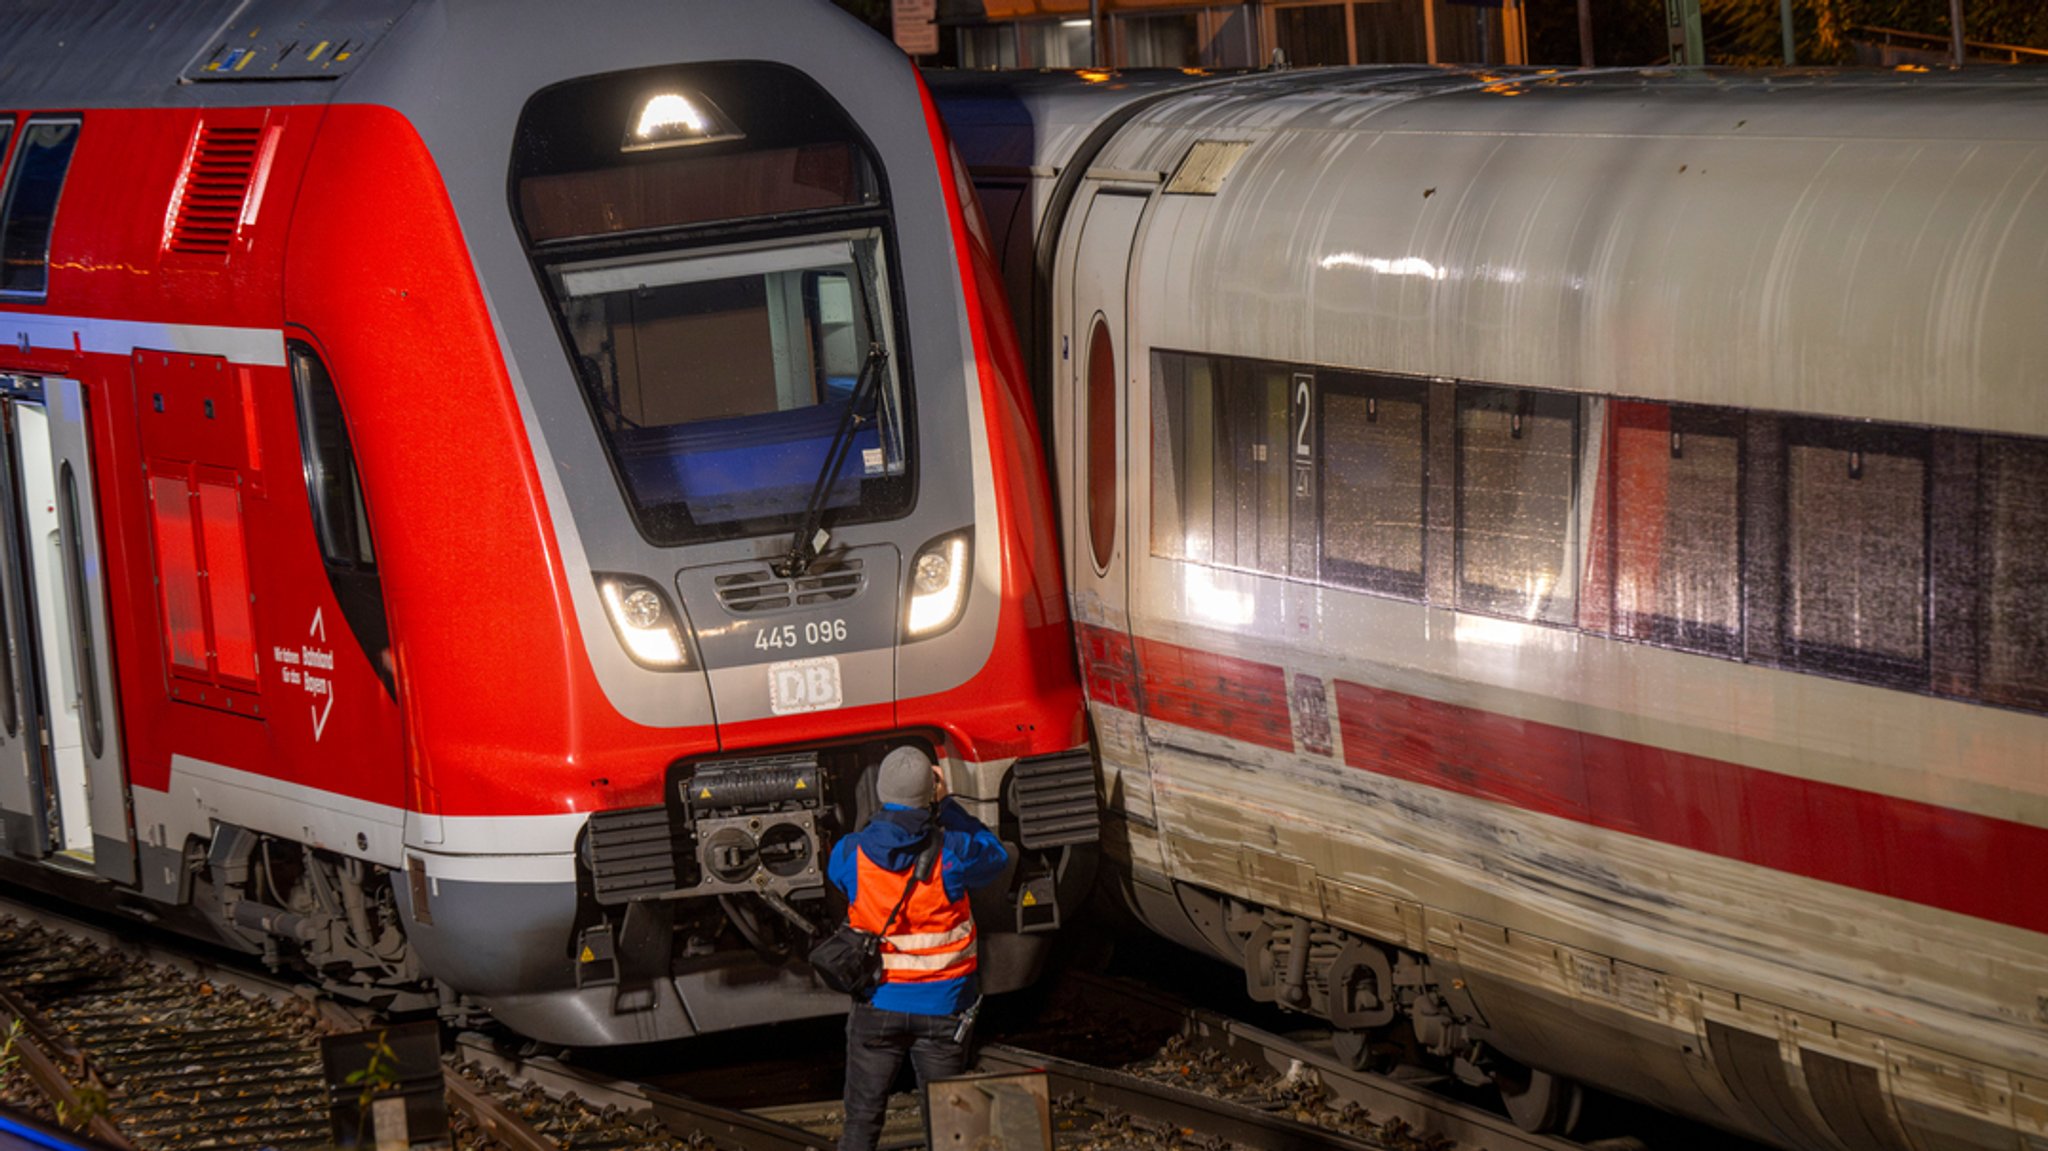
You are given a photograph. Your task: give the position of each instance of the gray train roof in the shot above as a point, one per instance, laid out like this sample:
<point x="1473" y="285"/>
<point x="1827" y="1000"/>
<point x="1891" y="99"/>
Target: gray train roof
<point x="1039" y="118"/>
<point x="1858" y="244"/>
<point x="1986" y="104"/>
<point x="449" y="53"/>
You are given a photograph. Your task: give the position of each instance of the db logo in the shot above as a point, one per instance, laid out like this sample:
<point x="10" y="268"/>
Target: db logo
<point x="802" y="685"/>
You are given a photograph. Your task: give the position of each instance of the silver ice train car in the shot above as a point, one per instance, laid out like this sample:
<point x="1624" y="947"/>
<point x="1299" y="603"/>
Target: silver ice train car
<point x="1561" y="564"/>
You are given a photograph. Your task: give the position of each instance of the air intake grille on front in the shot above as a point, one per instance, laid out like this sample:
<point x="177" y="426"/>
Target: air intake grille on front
<point x="763" y="590"/>
<point x="214" y="190"/>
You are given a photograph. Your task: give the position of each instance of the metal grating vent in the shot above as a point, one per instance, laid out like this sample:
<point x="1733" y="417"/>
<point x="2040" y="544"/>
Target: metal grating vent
<point x="1055" y="799"/>
<point x="632" y="854"/>
<point x="214" y="190"/>
<point x="762" y="590"/>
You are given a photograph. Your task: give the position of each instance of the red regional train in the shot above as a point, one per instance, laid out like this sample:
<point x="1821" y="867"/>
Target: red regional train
<point x="484" y="483"/>
<point x="1560" y="564"/>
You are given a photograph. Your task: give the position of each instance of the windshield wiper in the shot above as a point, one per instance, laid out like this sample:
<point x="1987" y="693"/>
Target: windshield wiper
<point x="810" y="537"/>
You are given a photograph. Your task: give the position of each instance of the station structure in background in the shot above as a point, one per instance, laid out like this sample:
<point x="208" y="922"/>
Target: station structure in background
<point x="1176" y="34"/>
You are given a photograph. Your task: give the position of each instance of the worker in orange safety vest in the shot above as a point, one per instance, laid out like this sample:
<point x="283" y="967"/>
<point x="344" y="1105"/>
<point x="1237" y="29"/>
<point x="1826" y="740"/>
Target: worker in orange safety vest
<point x="924" y="1005"/>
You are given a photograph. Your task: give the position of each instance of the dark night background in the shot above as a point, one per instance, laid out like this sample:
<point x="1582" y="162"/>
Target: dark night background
<point x="1627" y="32"/>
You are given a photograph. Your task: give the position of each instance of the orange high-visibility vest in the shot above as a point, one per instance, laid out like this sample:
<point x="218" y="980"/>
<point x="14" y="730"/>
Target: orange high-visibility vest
<point x="932" y="940"/>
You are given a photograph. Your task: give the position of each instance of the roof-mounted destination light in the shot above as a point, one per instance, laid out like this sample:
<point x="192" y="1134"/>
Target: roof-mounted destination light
<point x="674" y="120"/>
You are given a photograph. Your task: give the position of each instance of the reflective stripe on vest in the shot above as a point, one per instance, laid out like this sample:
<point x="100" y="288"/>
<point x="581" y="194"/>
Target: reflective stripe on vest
<point x="932" y="940"/>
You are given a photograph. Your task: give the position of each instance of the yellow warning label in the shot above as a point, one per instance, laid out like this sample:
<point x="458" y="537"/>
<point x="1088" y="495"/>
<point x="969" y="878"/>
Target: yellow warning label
<point x="705" y="794"/>
<point x="800" y="785"/>
<point x="588" y="956"/>
<point x="1029" y="900"/>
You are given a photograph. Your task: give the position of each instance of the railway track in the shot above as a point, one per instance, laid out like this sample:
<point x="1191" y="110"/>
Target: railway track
<point x="144" y="1047"/>
<point x="152" y="1048"/>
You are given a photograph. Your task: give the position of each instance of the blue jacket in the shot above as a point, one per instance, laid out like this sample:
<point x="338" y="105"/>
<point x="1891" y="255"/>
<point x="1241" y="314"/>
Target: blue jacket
<point x="974" y="858"/>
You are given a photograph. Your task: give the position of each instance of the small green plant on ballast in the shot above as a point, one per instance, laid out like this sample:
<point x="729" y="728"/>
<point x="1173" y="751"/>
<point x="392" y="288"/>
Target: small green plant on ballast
<point x="377" y="1077"/>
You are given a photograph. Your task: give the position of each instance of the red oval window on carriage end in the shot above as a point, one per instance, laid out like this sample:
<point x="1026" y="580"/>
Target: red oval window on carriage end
<point x="1101" y="444"/>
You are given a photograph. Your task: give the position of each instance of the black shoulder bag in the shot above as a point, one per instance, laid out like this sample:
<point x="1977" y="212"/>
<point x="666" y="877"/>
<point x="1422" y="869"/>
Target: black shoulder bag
<point x="850" y="960"/>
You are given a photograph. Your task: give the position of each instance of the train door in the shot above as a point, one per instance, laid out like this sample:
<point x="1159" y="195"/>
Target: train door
<point x="61" y="759"/>
<point x="1097" y="374"/>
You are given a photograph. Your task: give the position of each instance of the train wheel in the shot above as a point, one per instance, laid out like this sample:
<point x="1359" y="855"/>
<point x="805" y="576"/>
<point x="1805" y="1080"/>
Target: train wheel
<point x="1540" y="1102"/>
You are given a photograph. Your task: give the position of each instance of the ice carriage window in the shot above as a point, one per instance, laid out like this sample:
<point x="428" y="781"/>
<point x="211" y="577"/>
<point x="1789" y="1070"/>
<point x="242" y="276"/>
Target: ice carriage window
<point x="1517" y="463"/>
<point x="37" y="178"/>
<point x="1374" y="448"/>
<point x="1854" y="601"/>
<point x="1101" y="446"/>
<point x="1184" y="457"/>
<point x="1254" y="448"/>
<point x="1674" y="478"/>
<point x="2013" y="574"/>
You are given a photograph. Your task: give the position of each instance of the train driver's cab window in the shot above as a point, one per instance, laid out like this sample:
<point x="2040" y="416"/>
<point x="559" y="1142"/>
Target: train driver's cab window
<point x="723" y="288"/>
<point x="34" y="182"/>
<point x="721" y="376"/>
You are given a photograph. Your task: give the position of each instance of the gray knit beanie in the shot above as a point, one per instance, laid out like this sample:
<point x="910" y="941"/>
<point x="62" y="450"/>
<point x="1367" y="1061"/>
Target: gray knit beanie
<point x="905" y="778"/>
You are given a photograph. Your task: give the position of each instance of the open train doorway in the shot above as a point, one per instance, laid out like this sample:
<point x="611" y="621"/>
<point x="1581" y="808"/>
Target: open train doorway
<point x="63" y="791"/>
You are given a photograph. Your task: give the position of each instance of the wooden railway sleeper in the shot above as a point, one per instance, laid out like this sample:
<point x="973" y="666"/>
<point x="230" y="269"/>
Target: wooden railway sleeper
<point x="41" y="1052"/>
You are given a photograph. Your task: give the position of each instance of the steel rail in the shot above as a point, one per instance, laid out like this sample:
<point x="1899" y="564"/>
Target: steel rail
<point x="493" y="1118"/>
<point x="1426" y="1112"/>
<point x="41" y="1051"/>
<point x="1177" y="1108"/>
<point x="331" y="1016"/>
<point x="725" y="1128"/>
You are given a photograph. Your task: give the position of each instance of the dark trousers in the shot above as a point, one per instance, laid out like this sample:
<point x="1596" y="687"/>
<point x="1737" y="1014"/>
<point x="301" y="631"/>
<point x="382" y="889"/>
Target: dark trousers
<point x="876" y="1042"/>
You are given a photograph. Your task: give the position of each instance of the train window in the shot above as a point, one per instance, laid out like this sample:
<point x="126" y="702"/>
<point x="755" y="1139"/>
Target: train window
<point x="331" y="478"/>
<point x="1854" y="600"/>
<point x="1184" y="457"/>
<point x="1375" y="452"/>
<point x="729" y="307"/>
<point x="33" y="185"/>
<point x="340" y="517"/>
<point x="1675" y="534"/>
<point x="1517" y="471"/>
<point x="683" y="190"/>
<point x="2013" y="574"/>
<point x="1254" y="448"/>
<point x="1222" y="435"/>
<point x="1101" y="447"/>
<point x="721" y="378"/>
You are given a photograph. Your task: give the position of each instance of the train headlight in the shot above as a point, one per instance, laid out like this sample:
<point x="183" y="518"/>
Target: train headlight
<point x="645" y="624"/>
<point x="938" y="586"/>
<point x="673" y="120"/>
